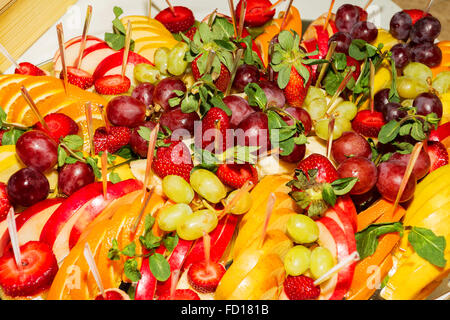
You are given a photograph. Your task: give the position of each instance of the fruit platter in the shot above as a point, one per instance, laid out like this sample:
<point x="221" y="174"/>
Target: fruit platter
<point x="239" y="154"/>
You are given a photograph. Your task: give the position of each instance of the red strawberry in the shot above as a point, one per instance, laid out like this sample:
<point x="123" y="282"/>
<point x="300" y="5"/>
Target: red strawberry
<point x="438" y="155"/>
<point x="235" y="175"/>
<point x="296" y="89"/>
<point x="416" y="14"/>
<point x="326" y="171"/>
<point x="78" y="77"/>
<point x="178" y="20"/>
<point x="39" y="267"/>
<point x="112" y="85"/>
<point x="190" y="33"/>
<point x="174" y="159"/>
<point x="1" y="135"/>
<point x="29" y="69"/>
<point x="181" y="294"/>
<point x="215" y="119"/>
<point x="257" y="12"/>
<point x="301" y="288"/>
<point x="113" y="294"/>
<point x="221" y="82"/>
<point x="205" y="278"/>
<point x="112" y="141"/>
<point x="5" y="205"/>
<point x="59" y="125"/>
<point x="368" y="123"/>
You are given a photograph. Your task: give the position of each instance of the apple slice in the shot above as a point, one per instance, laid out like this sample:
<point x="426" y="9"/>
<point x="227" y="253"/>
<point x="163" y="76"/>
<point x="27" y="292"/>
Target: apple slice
<point x="345" y="203"/>
<point x="113" y="64"/>
<point x="442" y="132"/>
<point x="146" y="286"/>
<point x="95" y="54"/>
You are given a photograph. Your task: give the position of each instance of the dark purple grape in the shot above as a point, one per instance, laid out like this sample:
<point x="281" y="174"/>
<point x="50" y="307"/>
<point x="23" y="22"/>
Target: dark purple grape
<point x="361" y="168"/>
<point x="138" y="144"/>
<point x="390" y="176"/>
<point x="297" y="154"/>
<point x="27" y="187"/>
<point x="426" y="103"/>
<point x="245" y="74"/>
<point x="301" y="115"/>
<point x="350" y="144"/>
<point x="36" y="149"/>
<point x="164" y="91"/>
<point x="144" y="93"/>
<point x="381" y="99"/>
<point x="125" y="111"/>
<point x="343" y="41"/>
<point x="426" y="53"/>
<point x="426" y="29"/>
<point x="346" y="17"/>
<point x="254" y="131"/>
<point x="400" y="25"/>
<point x="392" y="111"/>
<point x="239" y="107"/>
<point x="401" y="56"/>
<point x="176" y="119"/>
<point x="275" y="96"/>
<point x="364" y="30"/>
<point x="422" y="165"/>
<point x="74" y="176"/>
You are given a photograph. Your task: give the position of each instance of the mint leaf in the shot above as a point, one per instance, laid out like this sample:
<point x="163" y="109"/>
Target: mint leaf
<point x="389" y="132"/>
<point x="428" y="245"/>
<point x="114" y="252"/>
<point x="10" y="137"/>
<point x="73" y="142"/>
<point x="328" y="195"/>
<point x="114" y="177"/>
<point x="129" y="250"/>
<point x="3" y="117"/>
<point x="367" y="239"/>
<point x="62" y="155"/>
<point x="159" y="267"/>
<point x="256" y="96"/>
<point x="344" y="185"/>
<point x="170" y="242"/>
<point x="130" y="269"/>
<point x="93" y="163"/>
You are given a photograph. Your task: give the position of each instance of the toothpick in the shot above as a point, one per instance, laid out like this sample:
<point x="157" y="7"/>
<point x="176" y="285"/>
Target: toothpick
<point x="147" y="195"/>
<point x="8" y="56"/>
<point x="26" y="95"/>
<point x="207" y="249"/>
<point x="286" y="15"/>
<point x="12" y="229"/>
<point x="269" y="209"/>
<point x="242" y="18"/>
<point x="372" y="86"/>
<point x="90" y="128"/>
<point x="217" y="135"/>
<point x="367" y="4"/>
<point x="233" y="16"/>
<point x="93" y="267"/>
<point x="62" y="51"/>
<point x="173" y="282"/>
<point x="428" y="7"/>
<point x="330" y="11"/>
<point x="237" y="59"/>
<point x="274" y="6"/>
<point x="126" y="51"/>
<point x="104" y="118"/>
<point x="149" y="9"/>
<point x="87" y="22"/>
<point x="105" y="173"/>
<point x="330" y="135"/>
<point x="324" y="67"/>
<point x="346" y="261"/>
<point x="171" y="8"/>
<point x="338" y="92"/>
<point x="150" y="154"/>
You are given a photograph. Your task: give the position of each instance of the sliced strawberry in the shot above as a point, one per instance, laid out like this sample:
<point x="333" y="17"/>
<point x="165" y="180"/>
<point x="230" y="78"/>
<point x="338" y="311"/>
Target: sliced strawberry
<point x="27" y="68"/>
<point x="173" y="159"/>
<point x="215" y="125"/>
<point x="39" y="267"/>
<point x="112" y="141"/>
<point x="416" y="14"/>
<point x="181" y="294"/>
<point x="78" y="77"/>
<point x="178" y="20"/>
<point x="257" y="12"/>
<point x="5" y="205"/>
<point x="205" y="278"/>
<point x="326" y="172"/>
<point x="235" y="175"/>
<point x="59" y="126"/>
<point x="438" y="155"/>
<point x="112" y="85"/>
<point x="368" y="123"/>
<point x="113" y="294"/>
<point x="301" y="288"/>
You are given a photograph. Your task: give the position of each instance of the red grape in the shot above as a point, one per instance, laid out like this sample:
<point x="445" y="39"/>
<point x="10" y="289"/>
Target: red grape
<point x="36" y="149"/>
<point x="426" y="53"/>
<point x="176" y="119"/>
<point x="350" y="144"/>
<point x="422" y="165"/>
<point x="275" y="96"/>
<point x="343" y="41"/>
<point x="164" y="91"/>
<point x="239" y="107"/>
<point x="346" y="17"/>
<point x="426" y="103"/>
<point x="400" y="25"/>
<point x="245" y="74"/>
<point x="390" y="175"/>
<point x="144" y="93"/>
<point x="27" y="187"/>
<point x="426" y="29"/>
<point x="400" y="54"/>
<point x="364" y="30"/>
<point x="361" y="168"/>
<point x="254" y="131"/>
<point x="381" y="99"/>
<point x="297" y="154"/>
<point x="138" y="144"/>
<point x="125" y="111"/>
<point x="392" y="111"/>
<point x="300" y="114"/>
<point x="74" y="176"/>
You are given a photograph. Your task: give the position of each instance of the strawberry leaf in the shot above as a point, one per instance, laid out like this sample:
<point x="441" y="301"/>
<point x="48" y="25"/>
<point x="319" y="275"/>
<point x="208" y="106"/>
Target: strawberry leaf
<point x="329" y="195"/>
<point x="256" y="96"/>
<point x="344" y="185"/>
<point x="284" y="76"/>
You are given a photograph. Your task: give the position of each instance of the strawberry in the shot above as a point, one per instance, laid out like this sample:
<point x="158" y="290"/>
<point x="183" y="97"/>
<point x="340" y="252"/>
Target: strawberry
<point x="112" y="85"/>
<point x="178" y="20"/>
<point x="416" y="14"/>
<point x="438" y="155"/>
<point x="78" y="77"/>
<point x="29" y="69"/>
<point x="113" y="294"/>
<point x="368" y="123"/>
<point x="326" y="172"/>
<point x="205" y="278"/>
<point x="39" y="267"/>
<point x="190" y="33"/>
<point x="173" y="158"/>
<point x="59" y="125"/>
<point x="257" y="13"/>
<point x="222" y="80"/>
<point x="301" y="288"/>
<point x="5" y="205"/>
<point x="2" y="131"/>
<point x="296" y="89"/>
<point x="215" y="119"/>
<point x="181" y="294"/>
<point x="112" y="141"/>
<point x="235" y="175"/>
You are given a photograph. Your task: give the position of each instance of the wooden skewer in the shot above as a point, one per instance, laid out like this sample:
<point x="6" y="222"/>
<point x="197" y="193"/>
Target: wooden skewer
<point x="93" y="267"/>
<point x="62" y="51"/>
<point x="233" y="16"/>
<point x="209" y="61"/>
<point x="90" y="128"/>
<point x="242" y="18"/>
<point x="147" y="195"/>
<point x="126" y="51"/>
<point x="248" y="185"/>
<point x="367" y="4"/>
<point x="12" y="229"/>
<point x="330" y="11"/>
<point x="8" y="56"/>
<point x="171" y="8"/>
<point x="330" y="136"/>
<point x="372" y="86"/>
<point x="428" y="7"/>
<point x="237" y="59"/>
<point x="26" y="95"/>
<point x="348" y="260"/>
<point x="87" y="22"/>
<point x="342" y="86"/>
<point x="150" y="154"/>
<point x="207" y="249"/>
<point x="149" y="9"/>
<point x="324" y="67"/>
<point x="105" y="174"/>
<point x="104" y="118"/>
<point x="276" y="4"/>
<point x="283" y="23"/>
<point x="269" y="209"/>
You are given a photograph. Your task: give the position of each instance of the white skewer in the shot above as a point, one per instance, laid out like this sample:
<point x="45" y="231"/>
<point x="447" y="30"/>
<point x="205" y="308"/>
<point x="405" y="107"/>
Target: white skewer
<point x="91" y="262"/>
<point x="12" y="228"/>
<point x="8" y="56"/>
<point x="351" y="258"/>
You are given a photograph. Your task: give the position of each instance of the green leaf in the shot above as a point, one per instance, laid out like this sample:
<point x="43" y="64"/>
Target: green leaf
<point x="93" y="163"/>
<point x="417" y="131"/>
<point x="329" y="195"/>
<point x="3" y="117"/>
<point x="367" y="239"/>
<point x="115" y="41"/>
<point x="284" y="75"/>
<point x="428" y="245"/>
<point x="114" y="177"/>
<point x="393" y="93"/>
<point x="189" y="104"/>
<point x="114" y="252"/>
<point x="129" y="250"/>
<point x="222" y="29"/>
<point x="117" y="11"/>
<point x="159" y="267"/>
<point x="389" y="131"/>
<point x="11" y="136"/>
<point x="125" y="152"/>
<point x="256" y="96"/>
<point x="405" y="129"/>
<point x="73" y="142"/>
<point x="170" y="242"/>
<point x="286" y="40"/>
<point x="205" y="32"/>
<point x="62" y="155"/>
<point x="403" y="147"/>
<point x="150" y="241"/>
<point x="340" y="61"/>
<point x="144" y="133"/>
<point x="344" y="185"/>
<point x="130" y="269"/>
<point x="148" y="223"/>
<point x="358" y="49"/>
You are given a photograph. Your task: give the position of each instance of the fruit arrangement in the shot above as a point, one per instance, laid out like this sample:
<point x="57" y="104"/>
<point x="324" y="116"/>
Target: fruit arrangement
<point x="235" y="157"/>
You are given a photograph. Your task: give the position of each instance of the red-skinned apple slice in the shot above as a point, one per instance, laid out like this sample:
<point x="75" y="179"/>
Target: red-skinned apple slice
<point x="345" y="203"/>
<point x="146" y="286"/>
<point x="95" y="54"/>
<point x="113" y="64"/>
<point x="442" y="132"/>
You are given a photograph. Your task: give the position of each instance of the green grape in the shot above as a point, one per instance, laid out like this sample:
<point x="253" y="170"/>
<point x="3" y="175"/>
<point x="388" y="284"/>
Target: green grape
<point x="302" y="229"/>
<point x="321" y="262"/>
<point x="177" y="189"/>
<point x="176" y="63"/>
<point x="196" y="224"/>
<point x="297" y="260"/>
<point x="340" y="126"/>
<point x="346" y="109"/>
<point x="169" y="218"/>
<point x="313" y="94"/>
<point x="243" y="204"/>
<point x="146" y="73"/>
<point x="208" y="185"/>
<point x="442" y="82"/>
<point x="419" y="71"/>
<point x="317" y="108"/>
<point x="410" y="88"/>
<point x="161" y="59"/>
